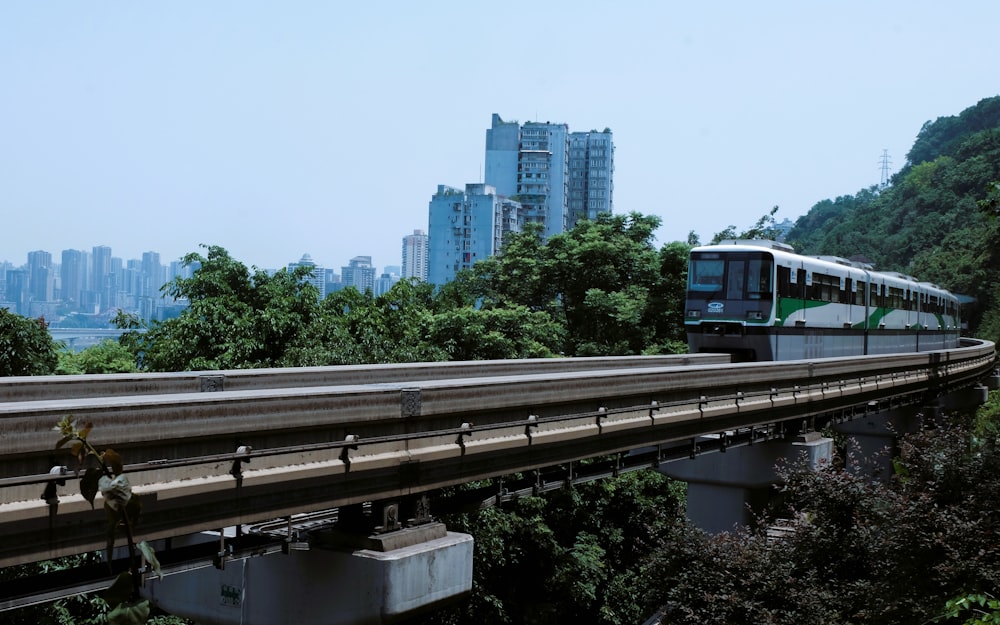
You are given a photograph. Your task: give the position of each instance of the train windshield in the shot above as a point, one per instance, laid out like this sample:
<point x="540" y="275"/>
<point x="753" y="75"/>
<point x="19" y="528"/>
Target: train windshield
<point x="732" y="276"/>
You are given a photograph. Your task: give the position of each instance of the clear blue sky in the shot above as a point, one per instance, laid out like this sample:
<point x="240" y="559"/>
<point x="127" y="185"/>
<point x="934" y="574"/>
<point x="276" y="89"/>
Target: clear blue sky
<point x="276" y="129"/>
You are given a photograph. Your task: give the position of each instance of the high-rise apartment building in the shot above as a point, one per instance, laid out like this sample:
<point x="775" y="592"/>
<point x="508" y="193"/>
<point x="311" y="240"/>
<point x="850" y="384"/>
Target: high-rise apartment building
<point x="465" y="227"/>
<point x="16" y="290"/>
<point x="533" y="169"/>
<point x="557" y="177"/>
<point x="73" y="275"/>
<point x="359" y="273"/>
<point x="591" y="175"/>
<point x="415" y="255"/>
<point x="100" y="276"/>
<point x="41" y="276"/>
<point x="152" y="275"/>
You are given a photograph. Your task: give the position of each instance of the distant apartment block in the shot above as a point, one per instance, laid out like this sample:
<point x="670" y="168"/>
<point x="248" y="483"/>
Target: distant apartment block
<point x="415" y="255"/>
<point x="557" y="176"/>
<point x="465" y="227"/>
<point x="591" y="175"/>
<point x="359" y="273"/>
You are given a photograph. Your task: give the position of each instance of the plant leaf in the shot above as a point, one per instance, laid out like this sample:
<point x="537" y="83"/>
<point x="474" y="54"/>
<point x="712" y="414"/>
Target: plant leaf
<point x="89" y="484"/>
<point x="116" y="492"/>
<point x="64" y="440"/>
<point x="150" y="555"/>
<point x="114" y="461"/>
<point x="120" y="590"/>
<point x="130" y="613"/>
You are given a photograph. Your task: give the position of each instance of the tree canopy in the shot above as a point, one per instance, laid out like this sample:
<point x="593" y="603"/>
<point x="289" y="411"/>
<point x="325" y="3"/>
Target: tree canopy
<point x="26" y="347"/>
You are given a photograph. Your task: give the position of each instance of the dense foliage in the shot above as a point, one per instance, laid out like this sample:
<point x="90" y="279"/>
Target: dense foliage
<point x="570" y="556"/>
<point x="862" y="551"/>
<point x="26" y="347"/>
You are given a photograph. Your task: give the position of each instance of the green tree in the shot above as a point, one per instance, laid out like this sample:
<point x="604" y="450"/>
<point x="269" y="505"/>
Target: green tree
<point x="359" y="328"/>
<point x="108" y="356"/>
<point x="26" y="347"/>
<point x="570" y="556"/>
<point x="469" y="333"/>
<point x="765" y="228"/>
<point x="666" y="311"/>
<point x="235" y="319"/>
<point x="518" y="275"/>
<point x="603" y="273"/>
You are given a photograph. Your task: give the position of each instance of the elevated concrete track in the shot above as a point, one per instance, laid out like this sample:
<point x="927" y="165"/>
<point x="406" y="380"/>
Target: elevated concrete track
<point x="221" y="449"/>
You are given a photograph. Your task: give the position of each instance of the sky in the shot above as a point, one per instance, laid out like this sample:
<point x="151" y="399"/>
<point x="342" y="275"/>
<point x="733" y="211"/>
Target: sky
<point x="277" y="129"/>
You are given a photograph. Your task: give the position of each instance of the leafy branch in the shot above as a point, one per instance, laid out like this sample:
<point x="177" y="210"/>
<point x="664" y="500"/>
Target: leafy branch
<point x="107" y="476"/>
<point x="985" y="609"/>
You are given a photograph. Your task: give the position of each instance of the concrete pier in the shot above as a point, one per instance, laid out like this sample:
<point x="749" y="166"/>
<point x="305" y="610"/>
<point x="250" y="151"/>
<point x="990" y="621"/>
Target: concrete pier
<point x="726" y="489"/>
<point x="322" y="582"/>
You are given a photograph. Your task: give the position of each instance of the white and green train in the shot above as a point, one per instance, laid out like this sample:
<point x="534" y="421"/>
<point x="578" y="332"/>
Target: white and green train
<point x="759" y="300"/>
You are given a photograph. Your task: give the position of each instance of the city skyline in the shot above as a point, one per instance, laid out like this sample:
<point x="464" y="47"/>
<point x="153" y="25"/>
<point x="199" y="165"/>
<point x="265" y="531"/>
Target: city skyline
<point x="277" y="131"/>
<point x="203" y="251"/>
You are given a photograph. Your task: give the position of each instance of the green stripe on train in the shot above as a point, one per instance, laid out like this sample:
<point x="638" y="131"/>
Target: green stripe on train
<point x="788" y="306"/>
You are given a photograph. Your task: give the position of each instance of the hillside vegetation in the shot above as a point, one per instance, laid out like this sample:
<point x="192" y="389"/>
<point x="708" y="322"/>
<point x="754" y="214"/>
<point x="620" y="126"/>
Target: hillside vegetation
<point x="936" y="220"/>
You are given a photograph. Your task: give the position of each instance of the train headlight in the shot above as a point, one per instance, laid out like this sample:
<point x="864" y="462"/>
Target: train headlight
<point x="755" y="315"/>
<point x="694" y="314"/>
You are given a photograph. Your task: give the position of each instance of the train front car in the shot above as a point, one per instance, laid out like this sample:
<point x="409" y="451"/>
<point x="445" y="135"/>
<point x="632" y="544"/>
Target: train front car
<point x="731" y="300"/>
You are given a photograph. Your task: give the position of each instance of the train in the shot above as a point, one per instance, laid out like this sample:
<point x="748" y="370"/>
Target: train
<point x="760" y="300"/>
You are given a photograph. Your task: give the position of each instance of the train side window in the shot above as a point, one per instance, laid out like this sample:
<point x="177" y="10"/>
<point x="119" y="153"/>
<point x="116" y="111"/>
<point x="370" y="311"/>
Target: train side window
<point x="859" y="293"/>
<point x="785" y="282"/>
<point x="895" y="298"/>
<point x="847" y="294"/>
<point x="824" y="288"/>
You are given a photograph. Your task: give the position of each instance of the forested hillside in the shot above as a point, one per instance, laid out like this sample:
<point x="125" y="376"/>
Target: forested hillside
<point x="937" y="218"/>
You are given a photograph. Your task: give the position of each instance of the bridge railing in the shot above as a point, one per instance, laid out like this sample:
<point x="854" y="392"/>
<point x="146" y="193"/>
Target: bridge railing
<point x="317" y="447"/>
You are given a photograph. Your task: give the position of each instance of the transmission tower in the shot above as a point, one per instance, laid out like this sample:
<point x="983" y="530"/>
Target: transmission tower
<point x="885" y="162"/>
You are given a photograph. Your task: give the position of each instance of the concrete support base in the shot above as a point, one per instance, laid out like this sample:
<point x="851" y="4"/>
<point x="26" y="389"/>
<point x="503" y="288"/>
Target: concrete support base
<point x="325" y="585"/>
<point x="726" y="489"/>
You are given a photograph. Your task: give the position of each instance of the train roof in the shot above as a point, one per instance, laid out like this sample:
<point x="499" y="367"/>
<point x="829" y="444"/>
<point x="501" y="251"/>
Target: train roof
<point x="768" y="243"/>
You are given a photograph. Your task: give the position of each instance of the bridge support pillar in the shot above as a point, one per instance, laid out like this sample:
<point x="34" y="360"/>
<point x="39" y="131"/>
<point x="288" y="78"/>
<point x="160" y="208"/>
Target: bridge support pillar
<point x="871" y="439"/>
<point x="992" y="382"/>
<point x="726" y="489"/>
<point x="325" y="581"/>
